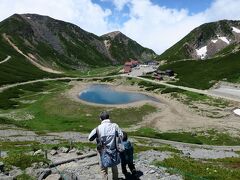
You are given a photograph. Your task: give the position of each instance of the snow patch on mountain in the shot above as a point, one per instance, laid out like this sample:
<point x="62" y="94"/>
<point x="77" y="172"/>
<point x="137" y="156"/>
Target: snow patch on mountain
<point x="214" y="40"/>
<point x="202" y="52"/>
<point x="236" y="30"/>
<point x="224" y="39"/>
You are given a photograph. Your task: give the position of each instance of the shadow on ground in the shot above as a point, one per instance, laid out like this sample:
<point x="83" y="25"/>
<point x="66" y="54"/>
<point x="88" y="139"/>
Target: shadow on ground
<point x="129" y="176"/>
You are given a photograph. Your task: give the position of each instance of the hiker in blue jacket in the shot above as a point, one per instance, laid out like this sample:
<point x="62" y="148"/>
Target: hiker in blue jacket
<point x="107" y="135"/>
<point x="127" y="156"/>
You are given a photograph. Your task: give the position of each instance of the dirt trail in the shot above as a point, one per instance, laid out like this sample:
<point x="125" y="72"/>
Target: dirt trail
<point x="5" y="60"/>
<point x="206" y="92"/>
<point x="30" y="57"/>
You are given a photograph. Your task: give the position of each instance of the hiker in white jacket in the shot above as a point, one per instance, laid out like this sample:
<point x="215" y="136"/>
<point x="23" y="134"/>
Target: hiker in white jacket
<point x="107" y="135"/>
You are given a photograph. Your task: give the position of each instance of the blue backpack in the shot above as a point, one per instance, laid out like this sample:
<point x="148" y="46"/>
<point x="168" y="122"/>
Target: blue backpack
<point x="109" y="155"/>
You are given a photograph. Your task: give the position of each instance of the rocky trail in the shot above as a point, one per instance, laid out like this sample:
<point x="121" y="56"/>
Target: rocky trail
<point x="72" y="163"/>
<point x="88" y="168"/>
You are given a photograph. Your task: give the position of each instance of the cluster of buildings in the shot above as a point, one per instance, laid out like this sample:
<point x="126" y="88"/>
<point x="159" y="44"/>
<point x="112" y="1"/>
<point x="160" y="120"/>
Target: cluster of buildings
<point x="134" y="63"/>
<point x="158" y="75"/>
<point x="149" y="68"/>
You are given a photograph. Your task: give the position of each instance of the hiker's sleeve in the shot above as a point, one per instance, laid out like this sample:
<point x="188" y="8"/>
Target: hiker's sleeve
<point x="92" y="135"/>
<point x="120" y="133"/>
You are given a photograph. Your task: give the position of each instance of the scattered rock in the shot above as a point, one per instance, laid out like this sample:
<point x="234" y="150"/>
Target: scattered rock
<point x="38" y="152"/>
<point x="45" y="174"/>
<point x="64" y="149"/>
<point x="172" y="177"/>
<point x="72" y="150"/>
<point x="70" y="176"/>
<point x="151" y="171"/>
<point x="53" y="177"/>
<point x="199" y="153"/>
<point x="78" y="152"/>
<point x="5" y="177"/>
<point x="15" y="172"/>
<point x="53" y="152"/>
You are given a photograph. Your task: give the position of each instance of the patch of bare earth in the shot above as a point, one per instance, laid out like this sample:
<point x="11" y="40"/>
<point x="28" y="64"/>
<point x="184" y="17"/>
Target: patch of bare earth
<point x="173" y="115"/>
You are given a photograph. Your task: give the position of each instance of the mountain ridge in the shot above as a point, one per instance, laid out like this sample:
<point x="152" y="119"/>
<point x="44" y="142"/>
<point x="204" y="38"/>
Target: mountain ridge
<point x="205" y="41"/>
<point x="72" y="46"/>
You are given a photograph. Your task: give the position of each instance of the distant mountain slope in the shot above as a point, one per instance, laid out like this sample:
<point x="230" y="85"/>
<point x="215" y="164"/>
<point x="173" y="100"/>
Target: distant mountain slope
<point x="62" y="45"/>
<point x="122" y="47"/>
<point x="17" y="68"/>
<point x="204" y="74"/>
<point x="54" y="43"/>
<point x="40" y="45"/>
<point x="206" y="41"/>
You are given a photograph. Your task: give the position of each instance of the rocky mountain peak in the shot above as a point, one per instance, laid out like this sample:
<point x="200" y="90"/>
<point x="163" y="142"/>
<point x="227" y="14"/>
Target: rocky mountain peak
<point x="113" y="35"/>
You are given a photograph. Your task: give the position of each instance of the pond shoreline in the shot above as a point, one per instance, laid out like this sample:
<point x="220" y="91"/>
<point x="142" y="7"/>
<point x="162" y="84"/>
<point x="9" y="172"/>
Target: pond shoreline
<point x="106" y="95"/>
<point x="81" y="86"/>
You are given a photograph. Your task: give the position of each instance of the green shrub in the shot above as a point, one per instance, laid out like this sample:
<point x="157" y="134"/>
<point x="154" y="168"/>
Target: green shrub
<point x="170" y="90"/>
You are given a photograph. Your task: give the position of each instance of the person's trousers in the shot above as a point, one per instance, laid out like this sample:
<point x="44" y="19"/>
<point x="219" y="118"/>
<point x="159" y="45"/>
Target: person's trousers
<point x="104" y="172"/>
<point x="131" y="166"/>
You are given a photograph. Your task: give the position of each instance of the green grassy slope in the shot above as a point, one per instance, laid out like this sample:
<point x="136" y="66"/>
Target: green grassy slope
<point x="18" y="69"/>
<point x="58" y="45"/>
<point x="203" y="74"/>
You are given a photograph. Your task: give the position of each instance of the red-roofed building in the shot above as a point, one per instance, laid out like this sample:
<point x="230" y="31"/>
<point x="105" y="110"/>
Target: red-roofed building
<point x="127" y="69"/>
<point x="129" y="65"/>
<point x="134" y="63"/>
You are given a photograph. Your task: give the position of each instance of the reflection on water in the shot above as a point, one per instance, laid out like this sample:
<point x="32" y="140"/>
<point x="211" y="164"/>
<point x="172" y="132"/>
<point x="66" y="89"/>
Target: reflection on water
<point x="103" y="94"/>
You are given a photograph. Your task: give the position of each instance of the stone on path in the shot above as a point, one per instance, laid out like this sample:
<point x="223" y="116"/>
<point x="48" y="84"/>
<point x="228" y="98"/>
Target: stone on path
<point x="53" y="177"/>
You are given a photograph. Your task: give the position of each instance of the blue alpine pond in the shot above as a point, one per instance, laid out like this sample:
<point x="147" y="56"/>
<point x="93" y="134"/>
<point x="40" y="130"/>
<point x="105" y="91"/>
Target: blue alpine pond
<point x="104" y="94"/>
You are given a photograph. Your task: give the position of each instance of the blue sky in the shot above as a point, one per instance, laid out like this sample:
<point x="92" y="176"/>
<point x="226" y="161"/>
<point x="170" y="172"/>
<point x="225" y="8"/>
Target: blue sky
<point x="121" y="16"/>
<point x="194" y="6"/>
<point x="156" y="24"/>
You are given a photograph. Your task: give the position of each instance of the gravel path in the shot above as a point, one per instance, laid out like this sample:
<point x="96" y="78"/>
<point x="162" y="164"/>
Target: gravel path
<point x="88" y="168"/>
<point x="206" y="92"/>
<point x="32" y="59"/>
<point x="5" y="60"/>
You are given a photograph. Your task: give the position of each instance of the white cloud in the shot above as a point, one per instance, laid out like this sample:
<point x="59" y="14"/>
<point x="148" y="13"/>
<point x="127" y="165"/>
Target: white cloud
<point x="223" y="9"/>
<point x="84" y="13"/>
<point x="159" y="27"/>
